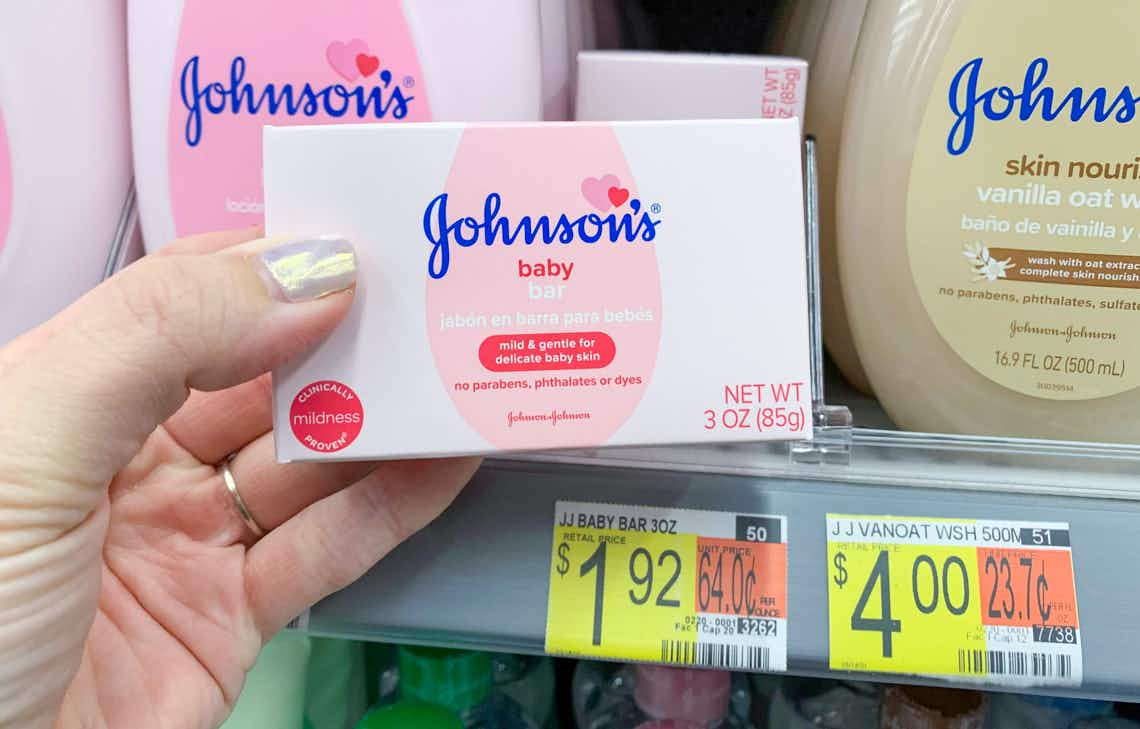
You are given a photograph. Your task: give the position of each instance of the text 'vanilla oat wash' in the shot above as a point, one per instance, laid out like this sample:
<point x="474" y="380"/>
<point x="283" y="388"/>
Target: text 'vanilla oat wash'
<point x="989" y="212"/>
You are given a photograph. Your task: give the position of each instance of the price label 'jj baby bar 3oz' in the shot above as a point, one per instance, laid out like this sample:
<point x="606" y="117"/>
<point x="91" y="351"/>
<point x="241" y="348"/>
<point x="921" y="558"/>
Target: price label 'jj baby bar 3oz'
<point x="991" y="601"/>
<point x="679" y="586"/>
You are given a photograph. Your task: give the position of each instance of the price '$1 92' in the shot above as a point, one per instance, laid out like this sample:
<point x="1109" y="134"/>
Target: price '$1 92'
<point x="978" y="600"/>
<point x="669" y="585"/>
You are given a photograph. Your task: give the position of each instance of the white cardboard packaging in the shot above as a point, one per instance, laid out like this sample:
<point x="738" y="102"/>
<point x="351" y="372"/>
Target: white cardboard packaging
<point x="669" y="305"/>
<point x="631" y="85"/>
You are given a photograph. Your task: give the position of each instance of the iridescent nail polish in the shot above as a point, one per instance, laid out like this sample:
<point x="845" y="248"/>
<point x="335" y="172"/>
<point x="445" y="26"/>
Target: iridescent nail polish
<point x="308" y="269"/>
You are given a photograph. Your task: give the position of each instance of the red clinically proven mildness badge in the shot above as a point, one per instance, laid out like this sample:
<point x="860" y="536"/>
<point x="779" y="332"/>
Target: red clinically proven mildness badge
<point x="326" y="416"/>
<point x="677" y="586"/>
<point x="988" y="601"/>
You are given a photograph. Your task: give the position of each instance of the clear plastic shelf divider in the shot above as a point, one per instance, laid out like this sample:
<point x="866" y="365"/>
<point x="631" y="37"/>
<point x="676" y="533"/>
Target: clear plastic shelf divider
<point x="831" y="441"/>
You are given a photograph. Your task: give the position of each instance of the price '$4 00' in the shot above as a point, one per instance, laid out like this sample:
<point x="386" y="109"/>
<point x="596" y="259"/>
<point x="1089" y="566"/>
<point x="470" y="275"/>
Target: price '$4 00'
<point x="982" y="600"/>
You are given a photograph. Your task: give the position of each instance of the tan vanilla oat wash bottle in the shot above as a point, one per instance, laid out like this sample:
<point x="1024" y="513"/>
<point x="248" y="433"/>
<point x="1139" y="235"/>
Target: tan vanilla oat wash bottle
<point x="828" y="76"/>
<point x="989" y="215"/>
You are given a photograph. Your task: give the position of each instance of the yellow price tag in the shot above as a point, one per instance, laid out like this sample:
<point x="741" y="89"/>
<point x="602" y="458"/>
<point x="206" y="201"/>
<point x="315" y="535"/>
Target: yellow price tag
<point x="668" y="585"/>
<point x="590" y="566"/>
<point x="987" y="600"/>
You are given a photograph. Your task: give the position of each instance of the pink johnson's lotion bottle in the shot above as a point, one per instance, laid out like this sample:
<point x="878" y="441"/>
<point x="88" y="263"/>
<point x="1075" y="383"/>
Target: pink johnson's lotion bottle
<point x="207" y="75"/>
<point x="656" y="697"/>
<point x="64" y="152"/>
<point x="557" y="58"/>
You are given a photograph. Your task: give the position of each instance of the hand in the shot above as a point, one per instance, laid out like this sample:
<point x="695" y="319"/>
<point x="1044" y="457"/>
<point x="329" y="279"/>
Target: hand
<point x="132" y="593"/>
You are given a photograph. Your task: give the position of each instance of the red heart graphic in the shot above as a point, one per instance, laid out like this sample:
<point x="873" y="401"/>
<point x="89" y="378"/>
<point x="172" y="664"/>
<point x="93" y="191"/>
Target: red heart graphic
<point x="367" y="64"/>
<point x="618" y="196"/>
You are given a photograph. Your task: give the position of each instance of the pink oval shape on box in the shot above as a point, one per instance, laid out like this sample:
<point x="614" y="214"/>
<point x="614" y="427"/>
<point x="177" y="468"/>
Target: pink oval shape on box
<point x="539" y="171"/>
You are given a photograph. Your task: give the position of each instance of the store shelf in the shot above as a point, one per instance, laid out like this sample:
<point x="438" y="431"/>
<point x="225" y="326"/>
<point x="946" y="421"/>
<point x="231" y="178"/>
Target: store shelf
<point x="886" y="457"/>
<point x="478" y="576"/>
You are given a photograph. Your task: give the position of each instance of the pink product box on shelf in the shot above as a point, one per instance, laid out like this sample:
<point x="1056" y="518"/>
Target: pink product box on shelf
<point x="543" y="286"/>
<point x="634" y="85"/>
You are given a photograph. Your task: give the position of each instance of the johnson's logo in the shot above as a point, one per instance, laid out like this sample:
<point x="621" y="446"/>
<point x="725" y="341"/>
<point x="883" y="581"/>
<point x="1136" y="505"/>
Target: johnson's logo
<point x="620" y="218"/>
<point x="1033" y="97"/>
<point x="368" y="92"/>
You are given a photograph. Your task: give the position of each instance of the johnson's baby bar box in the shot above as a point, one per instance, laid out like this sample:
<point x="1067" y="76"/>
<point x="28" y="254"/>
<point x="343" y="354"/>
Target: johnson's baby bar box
<point x="547" y="286"/>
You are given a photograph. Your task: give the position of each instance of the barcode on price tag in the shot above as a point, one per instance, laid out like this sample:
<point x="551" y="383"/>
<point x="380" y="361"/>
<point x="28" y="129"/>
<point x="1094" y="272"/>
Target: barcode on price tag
<point x="718" y="655"/>
<point x="1011" y="663"/>
<point x="678" y="586"/>
<point x="975" y="600"/>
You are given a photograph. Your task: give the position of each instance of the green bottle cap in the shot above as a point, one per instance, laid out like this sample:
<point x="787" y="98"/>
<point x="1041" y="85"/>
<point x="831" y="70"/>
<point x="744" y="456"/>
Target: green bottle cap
<point x="458" y="680"/>
<point x="407" y="714"/>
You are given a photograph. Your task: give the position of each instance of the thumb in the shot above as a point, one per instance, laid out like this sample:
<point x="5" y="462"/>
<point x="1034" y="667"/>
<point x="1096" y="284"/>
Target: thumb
<point x="88" y="389"/>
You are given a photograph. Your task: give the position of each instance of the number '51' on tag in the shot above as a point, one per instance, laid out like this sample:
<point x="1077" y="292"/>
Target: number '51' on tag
<point x="976" y="600"/>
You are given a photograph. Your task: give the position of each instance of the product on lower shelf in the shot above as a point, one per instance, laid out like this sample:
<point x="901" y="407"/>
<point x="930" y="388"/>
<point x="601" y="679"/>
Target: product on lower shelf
<point x="800" y="703"/>
<point x="529" y="680"/>
<point x="336" y="694"/>
<point x="430" y="688"/>
<point x="274" y="690"/>
<point x="461" y="681"/>
<point x="1024" y="711"/>
<point x="764" y="687"/>
<point x="409" y="715"/>
<point x="986" y="228"/>
<point x="382" y="673"/>
<point x="1128" y="711"/>
<point x="922" y="707"/>
<point x="1107" y="722"/>
<point x="65" y="164"/>
<point x="609" y="696"/>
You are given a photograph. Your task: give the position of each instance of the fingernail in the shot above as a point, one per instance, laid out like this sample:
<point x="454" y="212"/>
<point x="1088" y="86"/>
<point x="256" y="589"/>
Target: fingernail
<point x="308" y="269"/>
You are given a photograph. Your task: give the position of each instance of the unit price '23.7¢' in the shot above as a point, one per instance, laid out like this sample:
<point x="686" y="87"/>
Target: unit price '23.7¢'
<point x="971" y="599"/>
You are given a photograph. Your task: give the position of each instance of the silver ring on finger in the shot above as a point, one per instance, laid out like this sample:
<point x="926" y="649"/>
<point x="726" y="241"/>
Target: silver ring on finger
<point x="239" y="502"/>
